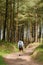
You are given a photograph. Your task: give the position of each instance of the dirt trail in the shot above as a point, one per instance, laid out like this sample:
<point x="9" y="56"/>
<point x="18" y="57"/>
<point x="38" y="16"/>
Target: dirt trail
<point x="24" y="59"/>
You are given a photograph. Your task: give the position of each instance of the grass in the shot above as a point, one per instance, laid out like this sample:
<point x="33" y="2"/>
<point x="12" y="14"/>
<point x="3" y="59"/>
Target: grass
<point x="6" y="48"/>
<point x="2" y="61"/>
<point x="38" y="53"/>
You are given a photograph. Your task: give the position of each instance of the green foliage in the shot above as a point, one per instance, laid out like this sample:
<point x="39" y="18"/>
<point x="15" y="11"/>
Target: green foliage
<point x="27" y="10"/>
<point x="7" y="47"/>
<point x="2" y="61"/>
<point x="39" y="53"/>
<point x="40" y="46"/>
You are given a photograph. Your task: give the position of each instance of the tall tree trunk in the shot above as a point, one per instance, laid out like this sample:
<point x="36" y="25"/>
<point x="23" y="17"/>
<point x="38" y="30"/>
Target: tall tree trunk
<point x="41" y="31"/>
<point x="22" y="32"/>
<point x="4" y="24"/>
<point x="8" y="21"/>
<point x="12" y="20"/>
<point x="17" y="21"/>
<point x="36" y="37"/>
<point x="31" y="31"/>
<point x="0" y="34"/>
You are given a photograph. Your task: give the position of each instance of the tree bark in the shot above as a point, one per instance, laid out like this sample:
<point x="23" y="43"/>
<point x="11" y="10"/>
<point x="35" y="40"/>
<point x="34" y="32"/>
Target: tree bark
<point x="17" y="21"/>
<point x="36" y="37"/>
<point x="4" y="24"/>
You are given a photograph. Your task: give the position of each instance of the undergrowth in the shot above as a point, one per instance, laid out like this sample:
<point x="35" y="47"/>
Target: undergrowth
<point x="38" y="53"/>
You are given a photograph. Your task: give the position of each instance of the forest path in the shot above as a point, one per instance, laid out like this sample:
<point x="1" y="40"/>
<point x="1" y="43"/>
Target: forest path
<point x="24" y="59"/>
